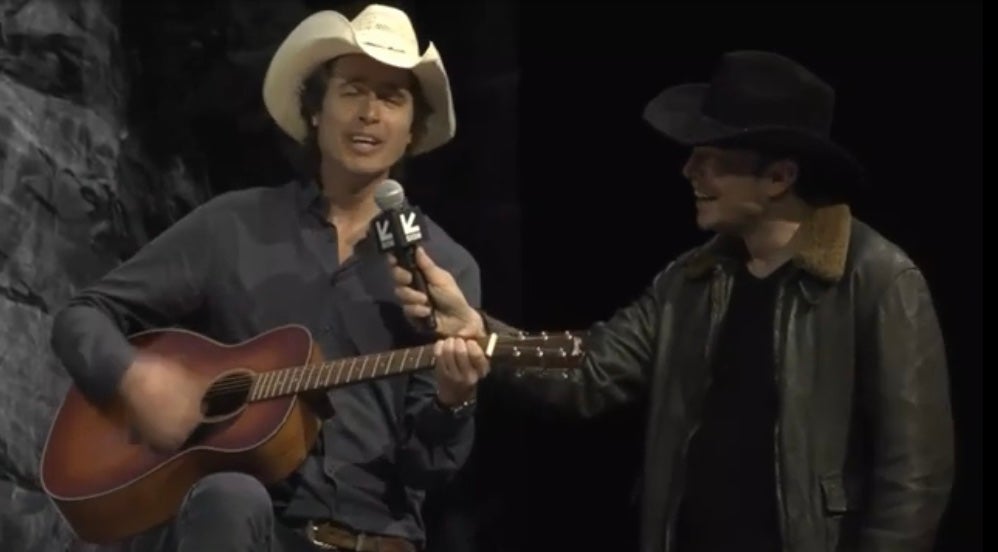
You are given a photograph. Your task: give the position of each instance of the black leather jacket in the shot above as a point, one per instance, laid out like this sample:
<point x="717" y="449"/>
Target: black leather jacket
<point x="864" y="436"/>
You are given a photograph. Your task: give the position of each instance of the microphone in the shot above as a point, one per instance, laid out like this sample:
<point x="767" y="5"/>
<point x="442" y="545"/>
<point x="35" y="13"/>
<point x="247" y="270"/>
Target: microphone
<point x="399" y="229"/>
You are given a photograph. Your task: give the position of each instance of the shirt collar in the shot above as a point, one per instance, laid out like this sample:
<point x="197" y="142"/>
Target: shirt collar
<point x="310" y="199"/>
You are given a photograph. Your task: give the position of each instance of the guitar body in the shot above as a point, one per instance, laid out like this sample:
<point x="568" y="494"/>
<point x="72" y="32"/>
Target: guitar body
<point x="109" y="486"/>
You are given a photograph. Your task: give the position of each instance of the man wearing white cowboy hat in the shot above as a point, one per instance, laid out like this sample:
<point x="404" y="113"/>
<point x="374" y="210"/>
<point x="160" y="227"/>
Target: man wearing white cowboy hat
<point x="793" y="366"/>
<point x="358" y="96"/>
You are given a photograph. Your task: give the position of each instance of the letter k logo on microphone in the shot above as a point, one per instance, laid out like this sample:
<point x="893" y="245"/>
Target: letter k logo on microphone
<point x="385" y="237"/>
<point x="410" y="227"/>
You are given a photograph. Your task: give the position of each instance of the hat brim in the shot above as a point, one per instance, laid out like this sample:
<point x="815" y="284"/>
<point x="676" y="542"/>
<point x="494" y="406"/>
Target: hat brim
<point x="327" y="35"/>
<point x="677" y="113"/>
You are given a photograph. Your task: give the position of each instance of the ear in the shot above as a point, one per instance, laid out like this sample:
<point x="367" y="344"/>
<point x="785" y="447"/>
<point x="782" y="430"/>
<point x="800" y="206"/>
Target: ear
<point x="780" y="177"/>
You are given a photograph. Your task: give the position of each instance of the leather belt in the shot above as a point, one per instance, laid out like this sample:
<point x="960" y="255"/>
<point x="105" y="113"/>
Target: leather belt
<point x="327" y="536"/>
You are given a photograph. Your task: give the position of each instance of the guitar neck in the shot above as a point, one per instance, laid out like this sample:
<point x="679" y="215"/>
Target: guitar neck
<point x="335" y="373"/>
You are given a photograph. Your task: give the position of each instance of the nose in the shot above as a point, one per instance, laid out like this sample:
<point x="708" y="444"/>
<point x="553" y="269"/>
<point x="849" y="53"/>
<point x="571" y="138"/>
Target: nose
<point x="370" y="109"/>
<point x="689" y="168"/>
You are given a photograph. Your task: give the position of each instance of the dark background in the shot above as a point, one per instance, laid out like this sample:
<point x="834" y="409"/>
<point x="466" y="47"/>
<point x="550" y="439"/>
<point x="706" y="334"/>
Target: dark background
<point x="569" y="202"/>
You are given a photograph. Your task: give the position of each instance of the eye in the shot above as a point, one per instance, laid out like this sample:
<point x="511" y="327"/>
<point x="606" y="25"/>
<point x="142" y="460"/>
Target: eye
<point x="350" y="90"/>
<point x="393" y="97"/>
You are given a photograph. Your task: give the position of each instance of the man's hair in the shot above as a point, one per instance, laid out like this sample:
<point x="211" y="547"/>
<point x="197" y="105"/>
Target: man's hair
<point x="313" y="93"/>
<point x="814" y="186"/>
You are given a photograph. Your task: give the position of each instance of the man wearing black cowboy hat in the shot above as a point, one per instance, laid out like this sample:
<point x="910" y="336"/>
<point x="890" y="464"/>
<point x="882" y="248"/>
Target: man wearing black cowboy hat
<point x="793" y="366"/>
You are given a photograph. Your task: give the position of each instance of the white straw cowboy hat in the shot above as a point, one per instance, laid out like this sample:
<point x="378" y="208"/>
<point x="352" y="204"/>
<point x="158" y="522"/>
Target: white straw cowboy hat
<point x="381" y="32"/>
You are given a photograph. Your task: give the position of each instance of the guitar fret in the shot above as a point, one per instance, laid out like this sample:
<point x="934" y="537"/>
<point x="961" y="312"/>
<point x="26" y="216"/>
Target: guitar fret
<point x="312" y="372"/>
<point x="278" y="382"/>
<point x="260" y="385"/>
<point x="255" y="387"/>
<point x="269" y="387"/>
<point x="333" y="373"/>
<point x="271" y="384"/>
<point x="329" y="373"/>
<point x="268" y="378"/>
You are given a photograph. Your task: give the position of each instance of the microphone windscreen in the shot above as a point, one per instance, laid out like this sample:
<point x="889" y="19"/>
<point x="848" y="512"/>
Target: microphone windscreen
<point x="389" y="195"/>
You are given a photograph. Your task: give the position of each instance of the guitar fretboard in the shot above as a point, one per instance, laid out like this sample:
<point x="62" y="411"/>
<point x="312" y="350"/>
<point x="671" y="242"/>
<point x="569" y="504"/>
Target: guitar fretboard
<point x="288" y="381"/>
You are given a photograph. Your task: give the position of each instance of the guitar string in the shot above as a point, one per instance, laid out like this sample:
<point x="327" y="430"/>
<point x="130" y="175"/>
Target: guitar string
<point x="241" y="383"/>
<point x="244" y="384"/>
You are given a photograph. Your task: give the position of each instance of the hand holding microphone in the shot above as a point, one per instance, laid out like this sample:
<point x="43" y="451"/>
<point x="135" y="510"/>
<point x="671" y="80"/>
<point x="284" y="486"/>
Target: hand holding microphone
<point x="399" y="230"/>
<point x="429" y="294"/>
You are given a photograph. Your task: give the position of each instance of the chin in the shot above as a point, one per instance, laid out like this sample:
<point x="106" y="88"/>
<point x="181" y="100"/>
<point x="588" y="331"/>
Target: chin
<point x="706" y="223"/>
<point x="366" y="167"/>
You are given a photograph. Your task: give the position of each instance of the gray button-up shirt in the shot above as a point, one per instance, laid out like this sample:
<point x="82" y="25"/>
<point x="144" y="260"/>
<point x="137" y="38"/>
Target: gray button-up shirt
<point x="250" y="260"/>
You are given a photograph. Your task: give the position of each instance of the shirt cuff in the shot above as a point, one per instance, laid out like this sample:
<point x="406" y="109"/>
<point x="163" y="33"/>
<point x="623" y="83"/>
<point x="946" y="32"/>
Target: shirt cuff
<point x="445" y="423"/>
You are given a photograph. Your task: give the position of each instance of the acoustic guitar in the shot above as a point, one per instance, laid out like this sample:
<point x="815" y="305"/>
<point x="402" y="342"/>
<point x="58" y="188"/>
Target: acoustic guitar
<point x="108" y="485"/>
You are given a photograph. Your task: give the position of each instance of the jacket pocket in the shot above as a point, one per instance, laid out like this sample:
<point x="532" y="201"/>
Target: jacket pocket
<point x="841" y="510"/>
<point x="833" y="494"/>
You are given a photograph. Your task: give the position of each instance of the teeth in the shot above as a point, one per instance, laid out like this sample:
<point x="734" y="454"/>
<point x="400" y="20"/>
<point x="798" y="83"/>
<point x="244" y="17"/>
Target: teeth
<point x="364" y="140"/>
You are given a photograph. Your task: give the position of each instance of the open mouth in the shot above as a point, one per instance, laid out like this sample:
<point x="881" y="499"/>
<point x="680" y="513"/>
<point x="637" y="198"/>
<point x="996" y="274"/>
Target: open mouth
<point x="364" y="141"/>
<point x="700" y="196"/>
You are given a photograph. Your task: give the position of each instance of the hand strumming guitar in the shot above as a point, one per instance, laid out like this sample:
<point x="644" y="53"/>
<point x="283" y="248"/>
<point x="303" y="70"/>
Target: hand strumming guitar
<point x="461" y="363"/>
<point x="163" y="401"/>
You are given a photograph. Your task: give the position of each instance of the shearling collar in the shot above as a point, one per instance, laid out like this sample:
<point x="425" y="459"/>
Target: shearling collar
<point x="820" y="245"/>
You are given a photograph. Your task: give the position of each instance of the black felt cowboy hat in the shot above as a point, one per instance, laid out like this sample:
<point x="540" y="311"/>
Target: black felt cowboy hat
<point x="760" y="100"/>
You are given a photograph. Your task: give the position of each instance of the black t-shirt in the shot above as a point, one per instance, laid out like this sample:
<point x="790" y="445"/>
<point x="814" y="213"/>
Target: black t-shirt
<point x="730" y="486"/>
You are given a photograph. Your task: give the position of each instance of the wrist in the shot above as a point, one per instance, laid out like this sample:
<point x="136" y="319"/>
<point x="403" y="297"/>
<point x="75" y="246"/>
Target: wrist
<point x="476" y="328"/>
<point x="455" y="403"/>
<point x="456" y="411"/>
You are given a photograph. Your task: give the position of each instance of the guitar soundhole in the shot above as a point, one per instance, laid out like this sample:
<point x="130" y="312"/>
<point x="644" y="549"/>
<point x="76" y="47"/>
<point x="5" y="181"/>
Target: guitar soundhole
<point x="227" y="395"/>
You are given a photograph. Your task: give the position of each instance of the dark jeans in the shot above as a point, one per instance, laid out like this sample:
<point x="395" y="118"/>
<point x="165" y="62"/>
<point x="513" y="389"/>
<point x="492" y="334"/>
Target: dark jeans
<point x="224" y="512"/>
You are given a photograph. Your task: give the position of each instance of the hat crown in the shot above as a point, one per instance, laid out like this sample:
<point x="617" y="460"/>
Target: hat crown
<point x="386" y="27"/>
<point x="752" y="89"/>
